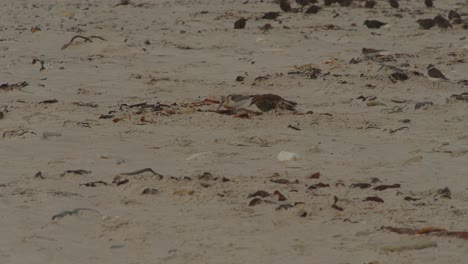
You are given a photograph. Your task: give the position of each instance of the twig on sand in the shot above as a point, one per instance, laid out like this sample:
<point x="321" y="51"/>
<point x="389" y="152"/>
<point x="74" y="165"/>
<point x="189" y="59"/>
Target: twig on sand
<point x="86" y="39"/>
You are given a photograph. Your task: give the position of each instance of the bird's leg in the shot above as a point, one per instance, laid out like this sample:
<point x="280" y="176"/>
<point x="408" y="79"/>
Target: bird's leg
<point x="219" y="107"/>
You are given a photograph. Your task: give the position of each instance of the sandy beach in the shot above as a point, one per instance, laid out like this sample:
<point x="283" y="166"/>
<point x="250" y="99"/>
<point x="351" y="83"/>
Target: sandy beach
<point x="113" y="150"/>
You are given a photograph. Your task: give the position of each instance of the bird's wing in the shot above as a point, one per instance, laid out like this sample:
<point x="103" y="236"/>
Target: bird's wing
<point x="435" y="73"/>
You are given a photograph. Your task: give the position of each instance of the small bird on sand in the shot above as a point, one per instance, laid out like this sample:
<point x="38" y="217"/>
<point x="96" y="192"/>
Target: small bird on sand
<point x="240" y="23"/>
<point x="442" y="22"/>
<point x="435" y="75"/>
<point x="268" y="102"/>
<point x="429" y="3"/>
<point x="394" y="3"/>
<point x="426" y="23"/>
<point x="374" y="23"/>
<point x="234" y="101"/>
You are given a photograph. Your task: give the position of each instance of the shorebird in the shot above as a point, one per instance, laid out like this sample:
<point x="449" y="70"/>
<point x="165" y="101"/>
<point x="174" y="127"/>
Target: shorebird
<point x="268" y="102"/>
<point x="234" y="101"/>
<point x="435" y="75"/>
<point x="426" y="23"/>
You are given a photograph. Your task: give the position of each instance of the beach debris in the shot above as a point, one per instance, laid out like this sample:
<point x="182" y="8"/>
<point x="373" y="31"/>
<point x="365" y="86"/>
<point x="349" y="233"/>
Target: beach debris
<point x="385" y="187"/>
<point x="460" y="97"/>
<point x="284" y="156"/>
<point x="38" y="175"/>
<point x="426" y="23"/>
<point x="270" y="15"/>
<point x="409" y="198"/>
<point x="119" y="181"/>
<point x="279" y="196"/>
<point x="134" y="173"/>
<point x="240" y="23"/>
<point x="13" y="86"/>
<point x="294" y="127"/>
<point x="360" y="185"/>
<point x="206" y="176"/>
<point x="373" y="199"/>
<point x="318" y="186"/>
<point x="79" y="172"/>
<point x="301" y="213"/>
<point x="422" y="105"/>
<point x="284" y="181"/>
<point x="121" y="2"/>
<point x="398" y="76"/>
<point x="93" y="105"/>
<point x="374" y="24"/>
<point x="259" y="193"/>
<point x="95" y="184"/>
<point x="334" y="206"/>
<point x="17" y="133"/>
<point x="412" y="245"/>
<point x="86" y="39"/>
<point x="151" y="191"/>
<point x="444" y="193"/>
<point x="391" y="131"/>
<point x="255" y="201"/>
<point x="315" y="175"/>
<point x="73" y="212"/>
<point x="50" y="101"/>
<point x="430" y="230"/>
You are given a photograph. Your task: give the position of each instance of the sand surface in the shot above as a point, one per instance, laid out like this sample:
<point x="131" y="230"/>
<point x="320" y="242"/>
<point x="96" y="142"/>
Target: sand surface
<point x="175" y="53"/>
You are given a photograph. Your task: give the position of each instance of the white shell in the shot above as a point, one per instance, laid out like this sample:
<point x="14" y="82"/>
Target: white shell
<point x="288" y="156"/>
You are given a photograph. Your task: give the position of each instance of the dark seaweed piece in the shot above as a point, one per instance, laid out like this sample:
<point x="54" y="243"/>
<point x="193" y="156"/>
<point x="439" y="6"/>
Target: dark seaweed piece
<point x="259" y="193"/>
<point x="279" y="196"/>
<point x="79" y="172"/>
<point x="385" y="187"/>
<point x="361" y="185"/>
<point x="73" y="212"/>
<point x="94" y="183"/>
<point x="318" y="185"/>
<point x="374" y="199"/>
<point x="150" y="191"/>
